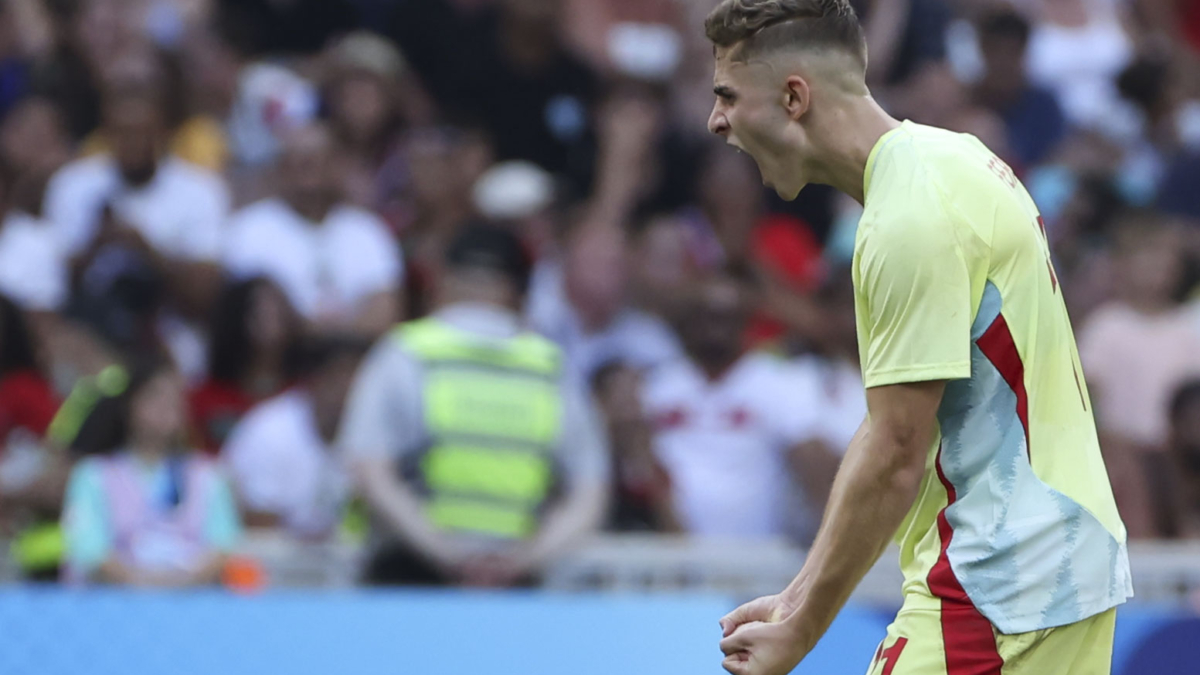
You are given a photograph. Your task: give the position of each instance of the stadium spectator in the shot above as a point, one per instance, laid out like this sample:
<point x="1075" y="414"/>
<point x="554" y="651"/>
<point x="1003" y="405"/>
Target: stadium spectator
<point x="1136" y="350"/>
<point x="33" y="141"/>
<point x="32" y="475"/>
<point x="446" y="162"/>
<point x="725" y="418"/>
<point x="1182" y="471"/>
<point x="627" y="37"/>
<point x="151" y="512"/>
<point x="641" y="487"/>
<point x="253" y="354"/>
<point x="664" y="263"/>
<point x="1177" y="194"/>
<point x="508" y="60"/>
<point x="285" y="471"/>
<point x="903" y="35"/>
<point x="33" y="271"/>
<point x="337" y="263"/>
<point x="1077" y="48"/>
<point x="140" y="207"/>
<point x="782" y="250"/>
<point x="480" y="458"/>
<point x="580" y="302"/>
<point x="371" y="97"/>
<point x="1033" y="121"/>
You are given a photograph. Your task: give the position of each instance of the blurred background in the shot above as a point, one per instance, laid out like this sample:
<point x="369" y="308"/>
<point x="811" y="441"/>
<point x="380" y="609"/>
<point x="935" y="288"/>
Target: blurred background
<point x="213" y="208"/>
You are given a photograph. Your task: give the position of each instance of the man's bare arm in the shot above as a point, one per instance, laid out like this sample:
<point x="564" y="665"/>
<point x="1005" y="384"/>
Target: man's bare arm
<point x="579" y="515"/>
<point x="401" y="511"/>
<point x="876" y="486"/>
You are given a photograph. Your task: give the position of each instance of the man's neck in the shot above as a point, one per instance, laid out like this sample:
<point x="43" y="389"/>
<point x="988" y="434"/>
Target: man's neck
<point x="716" y="369"/>
<point x="858" y="125"/>
<point x="310" y="210"/>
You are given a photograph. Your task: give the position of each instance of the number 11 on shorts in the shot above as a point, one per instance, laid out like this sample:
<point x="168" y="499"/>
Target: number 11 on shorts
<point x="888" y="656"/>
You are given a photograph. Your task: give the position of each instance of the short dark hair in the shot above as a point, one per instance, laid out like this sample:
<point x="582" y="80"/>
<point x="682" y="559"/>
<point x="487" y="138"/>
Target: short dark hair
<point x="491" y="247"/>
<point x="762" y="26"/>
<point x="231" y="346"/>
<point x="1004" y="23"/>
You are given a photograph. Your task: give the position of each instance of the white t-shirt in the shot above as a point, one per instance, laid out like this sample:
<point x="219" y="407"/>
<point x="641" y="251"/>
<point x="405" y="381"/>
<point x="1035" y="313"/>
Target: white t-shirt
<point x="325" y="268"/>
<point x="281" y="465"/>
<point x="724" y="443"/>
<point x="33" y="271"/>
<point x="181" y="211"/>
<point x="843" y="399"/>
<point x="634" y="338"/>
<point x="1080" y="63"/>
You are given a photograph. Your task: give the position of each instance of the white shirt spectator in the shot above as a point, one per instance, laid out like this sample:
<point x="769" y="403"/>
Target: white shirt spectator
<point x="180" y="212"/>
<point x="843" y="400"/>
<point x="281" y="465"/>
<point x="634" y="338"/>
<point x="325" y="268"/>
<point x="33" y="271"/>
<point x="724" y="443"/>
<point x="1081" y="63"/>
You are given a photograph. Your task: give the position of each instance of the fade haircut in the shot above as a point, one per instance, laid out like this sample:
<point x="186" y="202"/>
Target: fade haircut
<point x="762" y="27"/>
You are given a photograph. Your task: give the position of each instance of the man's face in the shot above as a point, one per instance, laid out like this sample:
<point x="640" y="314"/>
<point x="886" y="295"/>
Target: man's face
<point x="1004" y="58"/>
<point x="750" y="114"/>
<point x="307" y="167"/>
<point x="716" y="321"/>
<point x="135" y="130"/>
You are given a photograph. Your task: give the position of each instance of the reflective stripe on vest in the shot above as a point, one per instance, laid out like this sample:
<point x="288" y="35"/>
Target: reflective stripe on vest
<point x="493" y="413"/>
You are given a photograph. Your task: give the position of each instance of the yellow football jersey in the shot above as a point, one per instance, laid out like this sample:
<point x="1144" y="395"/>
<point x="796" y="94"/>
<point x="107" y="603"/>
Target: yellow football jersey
<point x="953" y="281"/>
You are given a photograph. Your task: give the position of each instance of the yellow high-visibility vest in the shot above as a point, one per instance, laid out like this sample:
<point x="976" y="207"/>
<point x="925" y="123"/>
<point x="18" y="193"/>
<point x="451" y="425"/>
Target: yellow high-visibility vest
<point x="494" y="414"/>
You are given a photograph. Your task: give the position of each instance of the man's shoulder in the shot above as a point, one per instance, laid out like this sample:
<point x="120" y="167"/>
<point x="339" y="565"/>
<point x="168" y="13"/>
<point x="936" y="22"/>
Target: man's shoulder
<point x="673" y="379"/>
<point x="85" y="173"/>
<point x="351" y="221"/>
<point x="263" y="216"/>
<point x="182" y="174"/>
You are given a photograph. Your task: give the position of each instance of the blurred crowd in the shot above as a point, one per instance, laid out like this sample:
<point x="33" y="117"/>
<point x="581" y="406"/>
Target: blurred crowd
<point x="215" y="213"/>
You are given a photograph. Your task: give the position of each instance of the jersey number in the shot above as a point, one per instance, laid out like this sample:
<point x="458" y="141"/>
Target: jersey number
<point x="890" y="655"/>
<point x="1049" y="265"/>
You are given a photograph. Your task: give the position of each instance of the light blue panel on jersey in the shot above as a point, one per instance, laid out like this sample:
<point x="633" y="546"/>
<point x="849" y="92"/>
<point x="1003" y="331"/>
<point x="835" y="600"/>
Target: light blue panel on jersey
<point x="1028" y="556"/>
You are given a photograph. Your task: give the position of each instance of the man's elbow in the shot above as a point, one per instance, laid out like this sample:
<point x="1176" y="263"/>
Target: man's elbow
<point x="905" y="450"/>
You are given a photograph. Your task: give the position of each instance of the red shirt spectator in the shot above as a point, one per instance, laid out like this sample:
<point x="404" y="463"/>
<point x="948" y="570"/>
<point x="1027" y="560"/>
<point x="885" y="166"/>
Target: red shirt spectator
<point x="26" y="402"/>
<point x="26" y="399"/>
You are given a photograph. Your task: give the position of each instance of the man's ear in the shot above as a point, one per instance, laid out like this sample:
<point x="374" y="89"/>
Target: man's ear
<point x="797" y="96"/>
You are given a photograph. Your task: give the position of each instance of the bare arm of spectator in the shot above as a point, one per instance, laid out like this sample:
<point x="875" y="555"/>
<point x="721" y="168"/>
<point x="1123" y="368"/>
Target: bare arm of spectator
<point x="403" y="514"/>
<point x="381" y="418"/>
<point x="579" y="512"/>
<point x="586" y="462"/>
<point x="638" y="475"/>
<point x="627" y="127"/>
<point x="886" y="22"/>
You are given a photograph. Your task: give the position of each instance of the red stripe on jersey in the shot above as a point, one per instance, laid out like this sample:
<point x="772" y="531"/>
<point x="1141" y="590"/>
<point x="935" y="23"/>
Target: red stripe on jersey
<point x="998" y="346"/>
<point x="967" y="635"/>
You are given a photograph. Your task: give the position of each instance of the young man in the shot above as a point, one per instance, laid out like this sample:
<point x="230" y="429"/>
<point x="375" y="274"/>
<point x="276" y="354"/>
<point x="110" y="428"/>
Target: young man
<point x="978" y="424"/>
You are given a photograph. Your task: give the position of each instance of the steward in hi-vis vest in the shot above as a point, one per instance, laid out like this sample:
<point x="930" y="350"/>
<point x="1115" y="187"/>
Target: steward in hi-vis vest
<point x="480" y="457"/>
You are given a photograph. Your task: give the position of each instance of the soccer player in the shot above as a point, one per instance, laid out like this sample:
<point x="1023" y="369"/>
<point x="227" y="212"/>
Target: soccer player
<point x="979" y="451"/>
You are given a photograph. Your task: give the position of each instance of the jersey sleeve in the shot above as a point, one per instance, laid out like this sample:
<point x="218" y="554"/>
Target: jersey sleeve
<point x="913" y="301"/>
